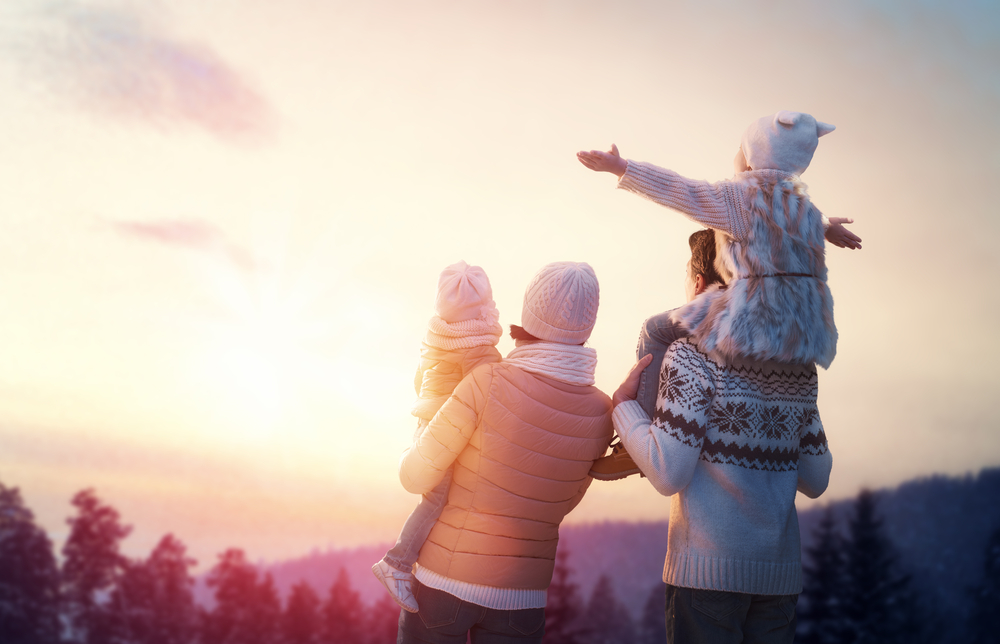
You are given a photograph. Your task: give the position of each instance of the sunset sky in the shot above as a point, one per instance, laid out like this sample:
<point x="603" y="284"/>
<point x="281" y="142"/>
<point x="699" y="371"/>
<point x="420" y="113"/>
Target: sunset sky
<point x="224" y="222"/>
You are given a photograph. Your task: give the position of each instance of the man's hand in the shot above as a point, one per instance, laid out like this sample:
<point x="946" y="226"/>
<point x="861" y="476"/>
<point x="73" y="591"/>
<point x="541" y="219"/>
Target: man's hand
<point x="609" y="161"/>
<point x="839" y="236"/>
<point x="629" y="386"/>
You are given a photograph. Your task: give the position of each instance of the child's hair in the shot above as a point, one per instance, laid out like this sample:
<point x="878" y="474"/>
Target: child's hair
<point x="518" y="333"/>
<point x="702" y="245"/>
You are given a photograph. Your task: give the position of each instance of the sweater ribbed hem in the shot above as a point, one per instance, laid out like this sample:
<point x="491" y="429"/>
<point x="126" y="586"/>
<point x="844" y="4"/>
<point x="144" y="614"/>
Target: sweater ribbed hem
<point x="732" y="575"/>
<point x="488" y="596"/>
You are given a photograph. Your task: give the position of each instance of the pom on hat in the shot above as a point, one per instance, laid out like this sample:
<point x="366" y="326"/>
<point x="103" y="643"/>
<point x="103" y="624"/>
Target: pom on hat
<point x="464" y="293"/>
<point x="784" y="141"/>
<point x="560" y="303"/>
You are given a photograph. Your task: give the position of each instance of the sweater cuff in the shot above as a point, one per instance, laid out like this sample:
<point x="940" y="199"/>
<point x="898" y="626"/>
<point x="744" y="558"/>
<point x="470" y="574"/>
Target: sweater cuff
<point x="629" y="415"/>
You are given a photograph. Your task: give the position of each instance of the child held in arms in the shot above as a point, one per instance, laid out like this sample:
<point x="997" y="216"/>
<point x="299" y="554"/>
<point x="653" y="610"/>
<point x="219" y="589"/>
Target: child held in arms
<point x="774" y="151"/>
<point x="462" y="335"/>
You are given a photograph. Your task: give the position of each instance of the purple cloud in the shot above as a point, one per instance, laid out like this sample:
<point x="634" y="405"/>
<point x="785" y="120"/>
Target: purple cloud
<point x="193" y="235"/>
<point x="123" y="64"/>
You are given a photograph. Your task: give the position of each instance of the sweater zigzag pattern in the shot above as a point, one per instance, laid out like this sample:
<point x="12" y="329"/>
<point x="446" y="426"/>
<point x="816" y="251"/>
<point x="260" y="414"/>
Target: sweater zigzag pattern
<point x="758" y="417"/>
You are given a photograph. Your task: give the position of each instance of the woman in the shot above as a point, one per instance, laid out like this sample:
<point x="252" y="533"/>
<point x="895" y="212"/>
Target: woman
<point x="522" y="435"/>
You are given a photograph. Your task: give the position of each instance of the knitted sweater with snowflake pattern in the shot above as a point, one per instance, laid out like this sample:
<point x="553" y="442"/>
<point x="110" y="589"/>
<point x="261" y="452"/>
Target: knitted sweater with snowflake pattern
<point x="733" y="439"/>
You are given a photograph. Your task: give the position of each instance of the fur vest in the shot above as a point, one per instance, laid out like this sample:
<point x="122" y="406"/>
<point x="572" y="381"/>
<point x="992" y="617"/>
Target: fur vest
<point x="777" y="305"/>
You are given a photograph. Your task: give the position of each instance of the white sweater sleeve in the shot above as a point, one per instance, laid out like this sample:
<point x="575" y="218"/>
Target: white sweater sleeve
<point x="815" y="460"/>
<point x="667" y="449"/>
<point x="720" y="206"/>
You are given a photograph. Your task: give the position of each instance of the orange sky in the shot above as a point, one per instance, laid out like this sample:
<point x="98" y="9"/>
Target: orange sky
<point x="224" y="224"/>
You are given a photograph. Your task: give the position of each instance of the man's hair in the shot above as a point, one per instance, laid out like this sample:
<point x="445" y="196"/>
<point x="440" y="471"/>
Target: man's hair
<point x="702" y="245"/>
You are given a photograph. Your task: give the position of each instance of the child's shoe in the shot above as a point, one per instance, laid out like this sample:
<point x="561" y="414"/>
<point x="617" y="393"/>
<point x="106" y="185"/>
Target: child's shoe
<point x="398" y="583"/>
<point x="616" y="465"/>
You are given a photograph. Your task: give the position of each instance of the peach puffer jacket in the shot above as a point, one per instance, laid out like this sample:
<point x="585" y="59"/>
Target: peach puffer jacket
<point x="522" y="446"/>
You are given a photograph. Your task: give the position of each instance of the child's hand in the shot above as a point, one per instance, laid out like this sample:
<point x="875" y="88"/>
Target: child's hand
<point x="839" y="236"/>
<point x="609" y="161"/>
<point x="630" y="386"/>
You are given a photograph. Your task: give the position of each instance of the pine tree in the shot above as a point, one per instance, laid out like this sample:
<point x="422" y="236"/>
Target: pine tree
<point x="879" y="605"/>
<point x="343" y="614"/>
<point x="984" y="622"/>
<point x="653" y="628"/>
<point x="153" y="602"/>
<point x="29" y="578"/>
<point x="820" y="618"/>
<point x="563" y="606"/>
<point x="246" y="612"/>
<point x="607" y="620"/>
<point x="300" y="623"/>
<point x="383" y="620"/>
<point x="92" y="566"/>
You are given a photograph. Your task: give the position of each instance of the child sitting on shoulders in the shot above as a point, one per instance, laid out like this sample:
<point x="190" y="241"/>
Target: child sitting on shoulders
<point x="462" y="335"/>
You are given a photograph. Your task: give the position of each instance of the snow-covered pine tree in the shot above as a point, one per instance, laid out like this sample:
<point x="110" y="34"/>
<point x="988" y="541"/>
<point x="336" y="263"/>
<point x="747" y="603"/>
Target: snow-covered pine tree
<point x="879" y="605"/>
<point x="653" y="624"/>
<point x="984" y="622"/>
<point x="91" y="567"/>
<point x="29" y="577"/>
<point x="153" y="601"/>
<point x="607" y="620"/>
<point x="300" y="623"/>
<point x="562" y="608"/>
<point x="820" y="614"/>
<point x="343" y="613"/>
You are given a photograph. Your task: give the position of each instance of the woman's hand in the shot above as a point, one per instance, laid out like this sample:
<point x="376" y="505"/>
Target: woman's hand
<point x="629" y="386"/>
<point x="609" y="161"/>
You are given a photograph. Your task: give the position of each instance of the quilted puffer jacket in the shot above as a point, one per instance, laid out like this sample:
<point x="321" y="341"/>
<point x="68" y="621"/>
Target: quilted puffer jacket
<point x="522" y="446"/>
<point x="440" y="371"/>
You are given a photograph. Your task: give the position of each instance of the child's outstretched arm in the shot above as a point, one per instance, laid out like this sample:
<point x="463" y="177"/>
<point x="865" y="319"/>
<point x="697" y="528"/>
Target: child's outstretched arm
<point x="609" y="161"/>
<point x="839" y="236"/>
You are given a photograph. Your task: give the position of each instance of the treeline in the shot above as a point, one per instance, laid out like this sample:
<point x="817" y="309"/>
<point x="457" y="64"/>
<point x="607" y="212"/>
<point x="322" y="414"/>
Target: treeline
<point x="856" y="591"/>
<point x="99" y="596"/>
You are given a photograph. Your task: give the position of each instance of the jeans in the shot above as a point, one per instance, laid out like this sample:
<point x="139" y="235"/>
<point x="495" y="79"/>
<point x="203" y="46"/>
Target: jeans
<point x="656" y="335"/>
<point x="446" y="619"/>
<point x="696" y="616"/>
<point x="418" y="525"/>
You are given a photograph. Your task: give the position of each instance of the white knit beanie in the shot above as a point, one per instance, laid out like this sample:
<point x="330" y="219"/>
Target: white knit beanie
<point x="560" y="303"/>
<point x="784" y="141"/>
<point x="464" y="293"/>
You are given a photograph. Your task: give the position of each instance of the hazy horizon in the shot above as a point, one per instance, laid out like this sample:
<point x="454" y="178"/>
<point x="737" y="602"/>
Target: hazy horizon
<point x="224" y="224"/>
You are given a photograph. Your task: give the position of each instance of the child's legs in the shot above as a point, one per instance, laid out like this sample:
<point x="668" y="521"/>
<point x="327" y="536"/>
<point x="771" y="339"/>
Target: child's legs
<point x="656" y="335"/>
<point x="418" y="525"/>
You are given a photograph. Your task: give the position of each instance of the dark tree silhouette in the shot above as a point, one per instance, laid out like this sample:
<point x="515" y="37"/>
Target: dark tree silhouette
<point x="91" y="567"/>
<point x="29" y="578"/>
<point x="653" y="627"/>
<point x="879" y="605"/>
<point x="246" y="612"/>
<point x="300" y="623"/>
<point x="383" y="621"/>
<point x="984" y="622"/>
<point x="820" y="614"/>
<point x="563" y="604"/>
<point x="607" y="620"/>
<point x="343" y="614"/>
<point x="153" y="601"/>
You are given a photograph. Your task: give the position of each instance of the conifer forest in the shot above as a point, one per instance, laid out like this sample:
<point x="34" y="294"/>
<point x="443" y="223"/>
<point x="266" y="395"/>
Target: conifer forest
<point x="884" y="567"/>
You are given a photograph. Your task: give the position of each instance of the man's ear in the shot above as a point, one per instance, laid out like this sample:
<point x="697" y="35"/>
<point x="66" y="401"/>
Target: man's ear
<point x="699" y="284"/>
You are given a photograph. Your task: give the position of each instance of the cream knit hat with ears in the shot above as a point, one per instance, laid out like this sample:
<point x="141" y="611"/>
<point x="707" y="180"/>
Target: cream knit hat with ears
<point x="784" y="141"/>
<point x="560" y="303"/>
<point x="464" y="293"/>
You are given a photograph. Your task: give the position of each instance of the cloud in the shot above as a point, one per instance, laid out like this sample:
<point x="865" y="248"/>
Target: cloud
<point x="193" y="235"/>
<point x="123" y="64"/>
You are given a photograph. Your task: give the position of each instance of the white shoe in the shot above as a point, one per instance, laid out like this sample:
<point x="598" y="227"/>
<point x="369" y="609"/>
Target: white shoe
<point x="398" y="583"/>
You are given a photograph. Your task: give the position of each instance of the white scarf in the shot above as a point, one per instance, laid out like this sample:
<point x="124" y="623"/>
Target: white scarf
<point x="569" y="363"/>
<point x="482" y="331"/>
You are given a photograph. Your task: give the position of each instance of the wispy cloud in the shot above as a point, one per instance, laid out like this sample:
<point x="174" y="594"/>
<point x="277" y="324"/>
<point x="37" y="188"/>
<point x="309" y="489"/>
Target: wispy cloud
<point x="192" y="235"/>
<point x="124" y="64"/>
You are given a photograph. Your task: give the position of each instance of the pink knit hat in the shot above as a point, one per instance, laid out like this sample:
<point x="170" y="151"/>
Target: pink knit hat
<point x="464" y="293"/>
<point x="784" y="141"/>
<point x="560" y="303"/>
